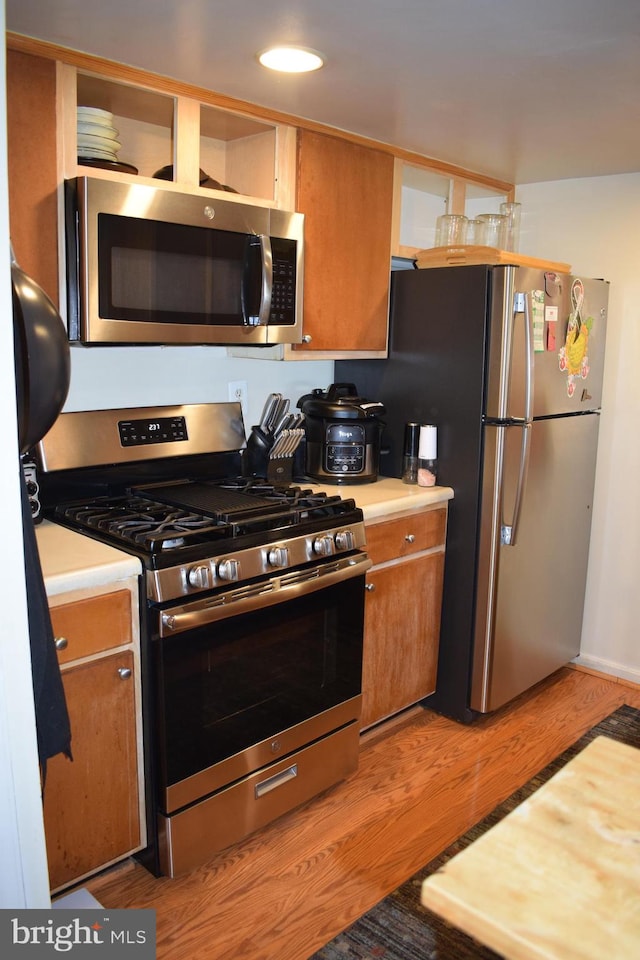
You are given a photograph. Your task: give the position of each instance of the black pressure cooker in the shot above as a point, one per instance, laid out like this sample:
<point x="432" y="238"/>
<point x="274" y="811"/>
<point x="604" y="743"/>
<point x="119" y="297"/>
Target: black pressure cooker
<point x="343" y="434"/>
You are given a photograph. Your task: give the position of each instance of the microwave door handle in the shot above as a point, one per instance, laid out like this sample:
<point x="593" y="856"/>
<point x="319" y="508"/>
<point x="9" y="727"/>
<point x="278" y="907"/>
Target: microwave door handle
<point x="266" y="259"/>
<point x="266" y="283"/>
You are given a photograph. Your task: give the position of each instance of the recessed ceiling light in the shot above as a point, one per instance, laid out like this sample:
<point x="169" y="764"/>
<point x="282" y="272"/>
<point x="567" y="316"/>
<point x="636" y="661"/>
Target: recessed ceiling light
<point x="291" y="59"/>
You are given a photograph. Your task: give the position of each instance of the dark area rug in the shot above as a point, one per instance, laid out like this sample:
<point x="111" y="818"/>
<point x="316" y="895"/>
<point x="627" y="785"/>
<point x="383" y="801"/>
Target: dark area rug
<point x="400" y="928"/>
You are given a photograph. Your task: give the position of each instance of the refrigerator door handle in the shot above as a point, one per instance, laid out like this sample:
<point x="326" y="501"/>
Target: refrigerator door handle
<point x="522" y="304"/>
<point x="509" y="532"/>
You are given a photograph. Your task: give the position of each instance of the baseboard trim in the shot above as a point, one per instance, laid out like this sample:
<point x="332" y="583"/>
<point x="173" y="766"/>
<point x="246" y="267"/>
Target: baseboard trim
<point x="607" y="669"/>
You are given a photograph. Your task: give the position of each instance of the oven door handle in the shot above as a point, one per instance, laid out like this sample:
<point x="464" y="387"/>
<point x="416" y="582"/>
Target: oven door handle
<point x="289" y="586"/>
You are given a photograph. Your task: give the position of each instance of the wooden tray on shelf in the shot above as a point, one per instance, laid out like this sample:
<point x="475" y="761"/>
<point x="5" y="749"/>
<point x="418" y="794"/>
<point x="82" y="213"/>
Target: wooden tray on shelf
<point x="466" y="255"/>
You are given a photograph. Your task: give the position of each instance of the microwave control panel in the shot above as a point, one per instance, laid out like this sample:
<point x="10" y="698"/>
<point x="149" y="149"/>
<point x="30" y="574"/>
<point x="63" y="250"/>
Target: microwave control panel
<point x="283" y="295"/>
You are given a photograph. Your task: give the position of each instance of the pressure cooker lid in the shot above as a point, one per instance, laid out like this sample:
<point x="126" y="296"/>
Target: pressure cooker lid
<point x="340" y="402"/>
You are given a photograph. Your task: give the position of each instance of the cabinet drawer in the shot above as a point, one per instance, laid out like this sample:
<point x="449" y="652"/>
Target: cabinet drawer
<point x="406" y="535"/>
<point x="92" y="625"/>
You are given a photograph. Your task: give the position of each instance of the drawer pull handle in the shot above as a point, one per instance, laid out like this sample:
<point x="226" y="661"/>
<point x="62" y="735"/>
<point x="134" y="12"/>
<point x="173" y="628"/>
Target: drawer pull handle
<point x="370" y="587"/>
<point x="410" y="538"/>
<point x="61" y="643"/>
<point x="124" y="672"/>
<point x="277" y="780"/>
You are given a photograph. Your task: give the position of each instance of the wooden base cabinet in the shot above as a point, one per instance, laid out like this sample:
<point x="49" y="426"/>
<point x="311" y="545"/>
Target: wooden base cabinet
<point x="93" y="811"/>
<point x="402" y="612"/>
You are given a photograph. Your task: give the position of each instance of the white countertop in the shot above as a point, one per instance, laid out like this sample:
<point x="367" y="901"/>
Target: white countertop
<point x="71" y="561"/>
<point x="387" y="496"/>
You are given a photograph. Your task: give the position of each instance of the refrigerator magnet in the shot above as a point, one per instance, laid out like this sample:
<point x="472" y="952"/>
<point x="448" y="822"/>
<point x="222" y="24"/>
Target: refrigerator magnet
<point x="551" y="320"/>
<point x="574" y="354"/>
<point x="551" y="336"/>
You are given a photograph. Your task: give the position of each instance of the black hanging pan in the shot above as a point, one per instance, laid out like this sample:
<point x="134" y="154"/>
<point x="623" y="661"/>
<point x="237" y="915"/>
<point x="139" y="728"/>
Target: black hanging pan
<point x="42" y="358"/>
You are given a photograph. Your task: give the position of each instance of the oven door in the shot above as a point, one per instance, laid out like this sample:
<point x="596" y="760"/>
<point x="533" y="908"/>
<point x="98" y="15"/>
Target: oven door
<point x="245" y="679"/>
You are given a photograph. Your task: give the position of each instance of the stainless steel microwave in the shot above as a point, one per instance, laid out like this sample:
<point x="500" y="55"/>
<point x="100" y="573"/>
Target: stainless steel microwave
<point x="154" y="265"/>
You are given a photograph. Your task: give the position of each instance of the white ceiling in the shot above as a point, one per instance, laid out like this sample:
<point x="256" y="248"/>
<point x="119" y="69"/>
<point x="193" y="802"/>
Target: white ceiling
<point x="521" y="90"/>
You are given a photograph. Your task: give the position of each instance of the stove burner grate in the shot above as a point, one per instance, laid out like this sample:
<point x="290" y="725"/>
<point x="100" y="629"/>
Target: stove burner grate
<point x="159" y="518"/>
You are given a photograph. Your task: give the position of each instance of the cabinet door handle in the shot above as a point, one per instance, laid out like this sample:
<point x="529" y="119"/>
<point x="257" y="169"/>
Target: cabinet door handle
<point x="61" y="643"/>
<point x="370" y="587"/>
<point x="124" y="673"/>
<point x="410" y="538"/>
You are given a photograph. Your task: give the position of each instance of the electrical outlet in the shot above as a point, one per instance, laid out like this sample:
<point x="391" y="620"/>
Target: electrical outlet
<point x="238" y="393"/>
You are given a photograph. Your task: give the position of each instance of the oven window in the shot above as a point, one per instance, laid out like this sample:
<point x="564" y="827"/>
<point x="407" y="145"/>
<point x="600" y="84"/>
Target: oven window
<point x="229" y="685"/>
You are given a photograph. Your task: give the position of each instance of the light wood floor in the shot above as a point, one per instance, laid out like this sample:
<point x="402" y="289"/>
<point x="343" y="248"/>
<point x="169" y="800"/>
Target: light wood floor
<point x="421" y="783"/>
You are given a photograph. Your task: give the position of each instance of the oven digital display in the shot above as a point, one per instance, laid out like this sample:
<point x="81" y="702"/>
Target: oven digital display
<point x="134" y="433"/>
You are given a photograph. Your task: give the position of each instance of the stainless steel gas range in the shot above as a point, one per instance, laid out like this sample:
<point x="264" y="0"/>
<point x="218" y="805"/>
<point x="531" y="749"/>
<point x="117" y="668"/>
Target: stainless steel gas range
<point x="252" y="621"/>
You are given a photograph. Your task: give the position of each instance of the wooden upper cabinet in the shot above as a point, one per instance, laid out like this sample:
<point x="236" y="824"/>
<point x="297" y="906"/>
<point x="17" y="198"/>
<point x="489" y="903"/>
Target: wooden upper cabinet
<point x="345" y="191"/>
<point x="357" y="212"/>
<point x="33" y="181"/>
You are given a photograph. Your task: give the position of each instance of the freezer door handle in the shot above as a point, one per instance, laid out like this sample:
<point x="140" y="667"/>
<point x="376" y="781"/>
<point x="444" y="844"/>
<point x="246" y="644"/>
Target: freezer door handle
<point x="524" y="301"/>
<point x="509" y="531"/>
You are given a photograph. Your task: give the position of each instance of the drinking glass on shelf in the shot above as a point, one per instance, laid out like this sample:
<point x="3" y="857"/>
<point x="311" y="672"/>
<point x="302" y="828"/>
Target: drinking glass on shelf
<point x="495" y="225"/>
<point x="512" y="236"/>
<point x="475" y="233"/>
<point x="451" y="230"/>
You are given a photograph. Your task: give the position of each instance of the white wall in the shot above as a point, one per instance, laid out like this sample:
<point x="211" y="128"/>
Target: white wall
<point x="594" y="224"/>
<point x="105" y="377"/>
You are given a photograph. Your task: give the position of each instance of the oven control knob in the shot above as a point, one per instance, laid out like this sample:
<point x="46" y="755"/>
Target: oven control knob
<point x="199" y="577"/>
<point x="229" y="569"/>
<point x="345" y="540"/>
<point x="278" y="557"/>
<point x="324" y="545"/>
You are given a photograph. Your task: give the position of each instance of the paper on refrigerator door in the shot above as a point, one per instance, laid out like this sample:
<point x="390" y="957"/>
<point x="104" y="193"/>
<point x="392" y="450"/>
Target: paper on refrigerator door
<point x="537" y="319"/>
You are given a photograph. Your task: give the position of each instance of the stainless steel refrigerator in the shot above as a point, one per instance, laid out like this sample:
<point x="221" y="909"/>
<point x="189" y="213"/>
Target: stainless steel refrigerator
<point x="507" y="362"/>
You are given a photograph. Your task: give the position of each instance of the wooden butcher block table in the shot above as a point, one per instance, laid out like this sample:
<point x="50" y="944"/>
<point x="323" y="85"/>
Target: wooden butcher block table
<point x="559" y="877"/>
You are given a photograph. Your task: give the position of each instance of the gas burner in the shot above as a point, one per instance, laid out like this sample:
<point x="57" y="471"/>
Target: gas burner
<point x="184" y="520"/>
<point x="169" y="533"/>
<point x="151" y="524"/>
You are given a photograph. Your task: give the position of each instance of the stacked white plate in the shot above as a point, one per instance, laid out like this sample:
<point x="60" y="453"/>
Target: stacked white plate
<point x="97" y="137"/>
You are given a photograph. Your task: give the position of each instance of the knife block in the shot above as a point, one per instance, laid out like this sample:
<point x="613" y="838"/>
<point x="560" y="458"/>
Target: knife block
<point x="280" y="471"/>
<point x="257" y="453"/>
